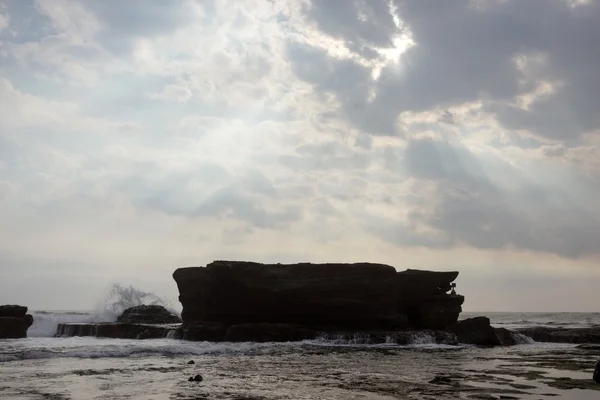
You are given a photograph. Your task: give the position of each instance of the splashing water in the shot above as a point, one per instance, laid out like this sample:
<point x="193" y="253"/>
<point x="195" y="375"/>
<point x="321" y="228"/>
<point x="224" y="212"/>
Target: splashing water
<point x="121" y="298"/>
<point x="118" y="299"/>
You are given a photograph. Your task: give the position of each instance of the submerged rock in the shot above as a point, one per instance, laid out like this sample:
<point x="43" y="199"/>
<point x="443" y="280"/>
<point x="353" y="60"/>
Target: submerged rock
<point x="197" y="378"/>
<point x="14" y="321"/>
<point x="441" y="380"/>
<point x="148" y="314"/>
<point x="264" y="301"/>
<point x="477" y="331"/>
<point x="402" y="338"/>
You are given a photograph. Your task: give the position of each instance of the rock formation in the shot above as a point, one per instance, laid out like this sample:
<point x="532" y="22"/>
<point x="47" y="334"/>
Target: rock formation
<point x="14" y="322"/>
<point x="476" y="331"/>
<point x="148" y="314"/>
<point x="244" y="301"/>
<point x="119" y="330"/>
<point x="562" y="335"/>
<point x="139" y="322"/>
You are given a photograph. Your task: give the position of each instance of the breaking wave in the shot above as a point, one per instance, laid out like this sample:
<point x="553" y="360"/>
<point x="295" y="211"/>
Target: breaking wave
<point x="117" y="300"/>
<point x="120" y="298"/>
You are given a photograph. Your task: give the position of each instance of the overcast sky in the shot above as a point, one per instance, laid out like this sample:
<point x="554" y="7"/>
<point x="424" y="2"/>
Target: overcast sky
<point x="139" y="136"/>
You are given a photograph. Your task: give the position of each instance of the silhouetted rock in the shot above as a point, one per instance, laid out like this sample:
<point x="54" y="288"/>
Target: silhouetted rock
<point x="476" y="331"/>
<point x="191" y="362"/>
<point x="197" y="378"/>
<point x="119" y="330"/>
<point x="11" y="310"/>
<point x="148" y="314"/>
<point x="505" y="337"/>
<point x="318" y="297"/>
<point x="268" y="333"/>
<point x="441" y="380"/>
<point x="14" y="321"/>
<point x="207" y="332"/>
<point x="562" y="335"/>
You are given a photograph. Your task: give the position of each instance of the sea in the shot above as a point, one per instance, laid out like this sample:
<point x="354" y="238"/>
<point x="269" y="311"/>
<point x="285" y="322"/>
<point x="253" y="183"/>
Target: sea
<point x="42" y="366"/>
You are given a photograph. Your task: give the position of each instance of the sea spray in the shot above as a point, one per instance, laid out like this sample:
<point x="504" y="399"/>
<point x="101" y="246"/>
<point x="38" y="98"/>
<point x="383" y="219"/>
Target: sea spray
<point x="117" y="300"/>
<point x="45" y="322"/>
<point x="121" y="298"/>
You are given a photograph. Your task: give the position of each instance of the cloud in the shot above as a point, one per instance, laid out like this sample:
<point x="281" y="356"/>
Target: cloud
<point x="4" y="21"/>
<point x="172" y="93"/>
<point x="145" y="135"/>
<point x="503" y="50"/>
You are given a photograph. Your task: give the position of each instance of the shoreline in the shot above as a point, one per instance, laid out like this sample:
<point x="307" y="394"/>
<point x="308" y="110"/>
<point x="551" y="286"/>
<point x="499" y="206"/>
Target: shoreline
<point x="276" y="371"/>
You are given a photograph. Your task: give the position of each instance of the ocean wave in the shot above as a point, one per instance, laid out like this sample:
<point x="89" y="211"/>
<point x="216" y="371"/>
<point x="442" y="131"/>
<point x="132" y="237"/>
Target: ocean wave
<point x="118" y="299"/>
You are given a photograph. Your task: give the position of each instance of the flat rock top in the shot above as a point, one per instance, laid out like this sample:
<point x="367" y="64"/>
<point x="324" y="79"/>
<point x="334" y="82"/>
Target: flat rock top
<point x="11" y="310"/>
<point x="297" y="271"/>
<point x="339" y="272"/>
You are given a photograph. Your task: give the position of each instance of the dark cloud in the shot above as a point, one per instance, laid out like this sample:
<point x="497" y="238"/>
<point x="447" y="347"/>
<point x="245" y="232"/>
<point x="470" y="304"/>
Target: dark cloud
<point x="345" y="79"/>
<point x="498" y="53"/>
<point x="363" y="25"/>
<point x="471" y="205"/>
<point x="126" y="21"/>
<point x="467" y="51"/>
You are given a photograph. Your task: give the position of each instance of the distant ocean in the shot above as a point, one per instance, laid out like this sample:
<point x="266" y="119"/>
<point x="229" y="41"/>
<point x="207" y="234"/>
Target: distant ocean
<point x="45" y="367"/>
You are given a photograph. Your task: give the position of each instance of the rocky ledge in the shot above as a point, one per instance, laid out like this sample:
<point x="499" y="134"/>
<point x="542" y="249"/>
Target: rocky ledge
<point x="480" y="332"/>
<point x="246" y="301"/>
<point x="14" y="321"/>
<point x="148" y="314"/>
<point x="139" y="322"/>
<point x="119" y="330"/>
<point x="563" y="335"/>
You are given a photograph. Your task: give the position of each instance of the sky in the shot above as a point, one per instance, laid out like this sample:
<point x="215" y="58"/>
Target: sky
<point x="141" y="136"/>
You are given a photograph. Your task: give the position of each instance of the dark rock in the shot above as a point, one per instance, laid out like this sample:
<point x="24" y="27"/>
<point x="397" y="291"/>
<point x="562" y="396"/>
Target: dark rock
<point x="207" y="332"/>
<point x="191" y="362"/>
<point x="148" y="314"/>
<point x="13" y="311"/>
<point x="197" y="378"/>
<point x="506" y="337"/>
<point x="119" y="331"/>
<point x="12" y="328"/>
<point x="14" y="321"/>
<point x="441" y="380"/>
<point x="477" y="331"/>
<point x="268" y="333"/>
<point x="562" y="335"/>
<point x="28" y="320"/>
<point x="325" y="297"/>
<point x="436" y="312"/>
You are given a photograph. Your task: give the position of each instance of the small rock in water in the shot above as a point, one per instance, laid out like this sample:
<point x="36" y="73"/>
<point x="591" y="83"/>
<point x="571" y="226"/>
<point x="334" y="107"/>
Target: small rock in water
<point x="191" y="362"/>
<point x="441" y="380"/>
<point x="197" y="378"/>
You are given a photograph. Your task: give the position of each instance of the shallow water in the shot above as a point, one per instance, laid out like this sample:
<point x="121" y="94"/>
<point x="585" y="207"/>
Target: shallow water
<point x="90" y="368"/>
<point x="43" y="367"/>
